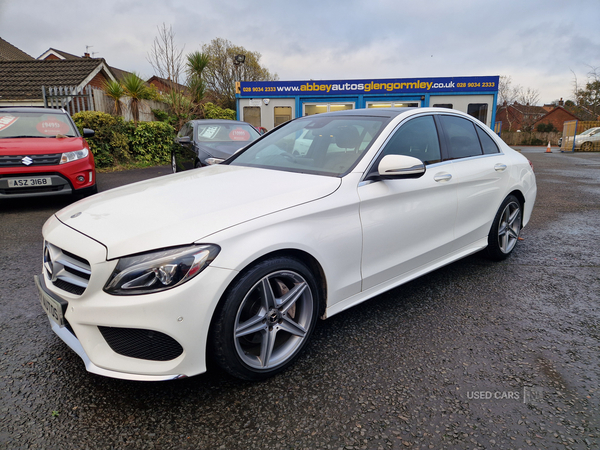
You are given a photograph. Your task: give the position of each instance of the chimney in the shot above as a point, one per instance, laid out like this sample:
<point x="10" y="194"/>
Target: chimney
<point x="86" y="55"/>
<point x="560" y="102"/>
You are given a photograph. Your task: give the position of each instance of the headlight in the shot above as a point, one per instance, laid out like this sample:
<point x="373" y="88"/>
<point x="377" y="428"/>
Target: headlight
<point x="73" y="156"/>
<point x="211" y="161"/>
<point x="159" y="270"/>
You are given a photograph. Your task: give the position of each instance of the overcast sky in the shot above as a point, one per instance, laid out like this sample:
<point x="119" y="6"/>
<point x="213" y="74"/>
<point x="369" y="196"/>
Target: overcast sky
<point x="538" y="43"/>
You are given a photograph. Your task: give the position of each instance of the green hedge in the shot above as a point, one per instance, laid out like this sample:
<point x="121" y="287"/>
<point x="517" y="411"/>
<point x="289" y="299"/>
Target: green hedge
<point x="117" y="142"/>
<point x="152" y="142"/>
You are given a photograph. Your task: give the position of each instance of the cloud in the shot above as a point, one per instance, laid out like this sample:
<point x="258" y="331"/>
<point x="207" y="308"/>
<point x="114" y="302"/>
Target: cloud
<point x="537" y="42"/>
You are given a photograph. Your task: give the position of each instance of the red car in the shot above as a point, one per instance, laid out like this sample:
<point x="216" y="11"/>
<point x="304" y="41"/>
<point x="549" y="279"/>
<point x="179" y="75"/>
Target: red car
<point x="42" y="153"/>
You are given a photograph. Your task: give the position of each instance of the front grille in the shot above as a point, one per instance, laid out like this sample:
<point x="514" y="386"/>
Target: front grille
<point x="66" y="271"/>
<point x="34" y="190"/>
<point x="36" y="160"/>
<point x="141" y="344"/>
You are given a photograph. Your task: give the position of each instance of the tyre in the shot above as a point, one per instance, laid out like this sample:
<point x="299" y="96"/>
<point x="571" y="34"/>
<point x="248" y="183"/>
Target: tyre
<point x="198" y="165"/>
<point x="506" y="227"/>
<point x="265" y="319"/>
<point x="586" y="146"/>
<point x="173" y="163"/>
<point x="86" y="192"/>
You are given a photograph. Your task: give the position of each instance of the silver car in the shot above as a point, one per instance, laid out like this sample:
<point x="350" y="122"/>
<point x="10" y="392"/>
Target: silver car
<point x="586" y="141"/>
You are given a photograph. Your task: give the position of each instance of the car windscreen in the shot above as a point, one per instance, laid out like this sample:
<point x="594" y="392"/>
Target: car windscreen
<point x="218" y="132"/>
<point x="35" y="124"/>
<point x="325" y="145"/>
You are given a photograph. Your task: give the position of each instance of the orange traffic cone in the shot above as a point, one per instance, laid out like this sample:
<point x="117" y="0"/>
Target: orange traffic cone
<point x="548" y="149"/>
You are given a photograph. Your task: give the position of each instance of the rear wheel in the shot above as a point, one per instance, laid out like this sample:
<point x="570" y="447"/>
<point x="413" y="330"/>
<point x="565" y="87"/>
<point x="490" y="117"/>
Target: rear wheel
<point x="505" y="230"/>
<point x="266" y="319"/>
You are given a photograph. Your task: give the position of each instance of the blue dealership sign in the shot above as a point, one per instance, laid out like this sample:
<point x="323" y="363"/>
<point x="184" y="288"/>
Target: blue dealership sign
<point x="368" y="86"/>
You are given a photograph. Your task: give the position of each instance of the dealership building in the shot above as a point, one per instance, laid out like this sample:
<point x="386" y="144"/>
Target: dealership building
<point x="271" y="103"/>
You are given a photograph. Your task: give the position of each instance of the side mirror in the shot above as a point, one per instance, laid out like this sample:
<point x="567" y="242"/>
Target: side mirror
<point x="184" y="140"/>
<point x="400" y="166"/>
<point x="87" y="133"/>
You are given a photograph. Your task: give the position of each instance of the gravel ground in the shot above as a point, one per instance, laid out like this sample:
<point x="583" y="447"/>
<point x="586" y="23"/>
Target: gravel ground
<point x="475" y="355"/>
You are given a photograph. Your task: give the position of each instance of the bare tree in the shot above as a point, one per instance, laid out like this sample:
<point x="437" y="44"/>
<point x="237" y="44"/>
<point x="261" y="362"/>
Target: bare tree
<point x="528" y="96"/>
<point x="166" y="59"/>
<point x="589" y="96"/>
<point x="507" y="93"/>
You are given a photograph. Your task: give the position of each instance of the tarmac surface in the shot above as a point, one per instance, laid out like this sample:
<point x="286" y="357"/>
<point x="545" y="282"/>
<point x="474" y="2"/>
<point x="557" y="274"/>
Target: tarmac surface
<point x="475" y="355"/>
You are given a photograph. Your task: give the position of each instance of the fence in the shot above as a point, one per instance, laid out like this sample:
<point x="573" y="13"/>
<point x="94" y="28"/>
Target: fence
<point x="580" y="136"/>
<point x="530" y="138"/>
<point x="72" y="98"/>
<point x="105" y="104"/>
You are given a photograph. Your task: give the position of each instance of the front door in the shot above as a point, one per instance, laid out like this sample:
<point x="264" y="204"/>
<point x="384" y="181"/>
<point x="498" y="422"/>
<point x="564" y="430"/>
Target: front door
<point x="408" y="223"/>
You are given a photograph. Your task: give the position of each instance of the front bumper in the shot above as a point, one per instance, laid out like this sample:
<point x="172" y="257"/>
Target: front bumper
<point x="181" y="315"/>
<point x="65" y="179"/>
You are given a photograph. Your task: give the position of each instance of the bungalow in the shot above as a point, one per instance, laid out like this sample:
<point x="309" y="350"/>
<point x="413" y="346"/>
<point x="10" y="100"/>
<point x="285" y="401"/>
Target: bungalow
<point x="21" y="81"/>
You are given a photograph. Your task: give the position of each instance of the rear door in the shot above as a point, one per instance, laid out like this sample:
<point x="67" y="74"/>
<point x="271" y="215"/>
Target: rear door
<point x="481" y="176"/>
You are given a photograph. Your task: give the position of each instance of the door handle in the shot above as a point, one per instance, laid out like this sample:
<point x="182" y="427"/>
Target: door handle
<point x="500" y="167"/>
<point x="442" y="176"/>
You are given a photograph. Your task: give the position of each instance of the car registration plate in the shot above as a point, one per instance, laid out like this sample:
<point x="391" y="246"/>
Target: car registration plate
<point x="29" y="182"/>
<point x="52" y="307"/>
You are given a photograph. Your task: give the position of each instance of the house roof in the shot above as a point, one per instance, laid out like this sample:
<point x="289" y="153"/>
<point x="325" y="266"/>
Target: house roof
<point x="58" y="53"/>
<point x="557" y="110"/>
<point x="164" y="82"/>
<point x="118" y="73"/>
<point x="9" y="52"/>
<point x="23" y="80"/>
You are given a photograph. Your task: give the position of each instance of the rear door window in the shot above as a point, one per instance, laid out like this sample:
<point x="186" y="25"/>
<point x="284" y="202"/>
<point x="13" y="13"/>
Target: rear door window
<point x="461" y="137"/>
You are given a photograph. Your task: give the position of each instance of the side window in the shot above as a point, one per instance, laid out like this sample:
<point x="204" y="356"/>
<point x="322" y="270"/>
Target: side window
<point x="487" y="143"/>
<point x="418" y="138"/>
<point x="461" y="137"/>
<point x="185" y="130"/>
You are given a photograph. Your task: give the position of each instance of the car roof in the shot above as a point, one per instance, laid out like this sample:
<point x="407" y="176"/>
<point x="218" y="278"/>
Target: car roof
<point x="209" y="121"/>
<point x="18" y="109"/>
<point x="370" y="112"/>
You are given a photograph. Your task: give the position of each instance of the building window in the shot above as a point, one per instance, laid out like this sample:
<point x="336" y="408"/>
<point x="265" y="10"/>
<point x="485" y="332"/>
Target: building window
<point x="443" y="105"/>
<point x="478" y="110"/>
<point x="392" y="104"/>
<point x="282" y="114"/>
<point x="252" y="115"/>
<point x="318" y="108"/>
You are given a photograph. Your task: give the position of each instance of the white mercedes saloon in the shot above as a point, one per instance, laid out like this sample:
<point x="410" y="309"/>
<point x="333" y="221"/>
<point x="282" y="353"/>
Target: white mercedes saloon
<point x="237" y="261"/>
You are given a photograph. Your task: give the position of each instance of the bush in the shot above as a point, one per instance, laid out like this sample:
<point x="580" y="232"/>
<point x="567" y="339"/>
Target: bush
<point x="117" y="142"/>
<point x="546" y="128"/>
<point x="212" y="111"/>
<point x="152" y="142"/>
<point x="110" y="144"/>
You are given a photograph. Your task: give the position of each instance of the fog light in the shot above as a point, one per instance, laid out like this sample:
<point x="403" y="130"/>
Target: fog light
<point x="80" y="178"/>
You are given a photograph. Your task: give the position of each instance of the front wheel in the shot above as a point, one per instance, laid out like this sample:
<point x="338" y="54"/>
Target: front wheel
<point x="173" y="163"/>
<point x="265" y="319"/>
<point x="505" y="230"/>
<point x="586" y="146"/>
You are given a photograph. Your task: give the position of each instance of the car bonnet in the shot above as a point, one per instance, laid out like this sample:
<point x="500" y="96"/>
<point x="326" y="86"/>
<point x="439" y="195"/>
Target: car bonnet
<point x="188" y="207"/>
<point x="39" y="146"/>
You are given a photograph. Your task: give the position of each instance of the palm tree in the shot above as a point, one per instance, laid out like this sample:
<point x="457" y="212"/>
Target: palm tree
<point x="196" y="63"/>
<point x="136" y="90"/>
<point x="115" y="91"/>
